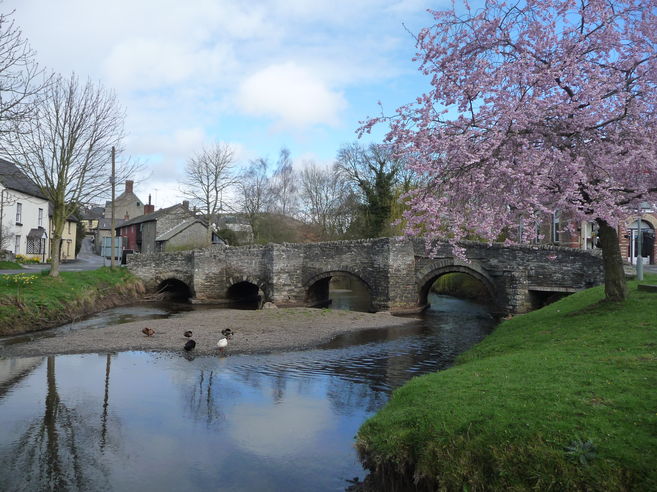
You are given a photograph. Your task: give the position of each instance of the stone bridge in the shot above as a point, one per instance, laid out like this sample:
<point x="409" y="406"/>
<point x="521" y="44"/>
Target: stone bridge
<point x="398" y="272"/>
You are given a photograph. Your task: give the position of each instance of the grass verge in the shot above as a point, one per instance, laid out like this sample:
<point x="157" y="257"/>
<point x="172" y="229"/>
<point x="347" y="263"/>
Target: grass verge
<point x="30" y="302"/>
<point x="562" y="398"/>
<point x="10" y="265"/>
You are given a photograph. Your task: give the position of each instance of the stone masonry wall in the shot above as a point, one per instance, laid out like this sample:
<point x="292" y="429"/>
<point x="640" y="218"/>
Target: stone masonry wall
<point x="155" y="268"/>
<point x="397" y="270"/>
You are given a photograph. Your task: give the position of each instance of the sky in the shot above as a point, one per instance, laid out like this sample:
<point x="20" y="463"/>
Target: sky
<point x="258" y="75"/>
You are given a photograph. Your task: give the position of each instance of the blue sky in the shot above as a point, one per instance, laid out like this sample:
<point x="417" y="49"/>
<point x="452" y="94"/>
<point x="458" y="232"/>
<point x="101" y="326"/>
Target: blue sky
<point x="259" y="75"/>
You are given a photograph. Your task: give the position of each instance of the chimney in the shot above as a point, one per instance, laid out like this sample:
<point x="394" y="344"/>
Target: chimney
<point x="185" y="204"/>
<point x="128" y="186"/>
<point x="149" y="209"/>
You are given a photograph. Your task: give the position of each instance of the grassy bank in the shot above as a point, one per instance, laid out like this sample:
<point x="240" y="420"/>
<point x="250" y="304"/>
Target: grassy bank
<point x="10" y="265"/>
<point x="30" y="302"/>
<point x="559" y="399"/>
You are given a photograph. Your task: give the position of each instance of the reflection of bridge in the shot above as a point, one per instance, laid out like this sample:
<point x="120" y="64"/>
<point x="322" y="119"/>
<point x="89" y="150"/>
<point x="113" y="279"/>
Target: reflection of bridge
<point x="397" y="271"/>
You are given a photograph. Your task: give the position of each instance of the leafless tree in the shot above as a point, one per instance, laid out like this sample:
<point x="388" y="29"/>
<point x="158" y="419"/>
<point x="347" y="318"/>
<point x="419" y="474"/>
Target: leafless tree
<point x="21" y="78"/>
<point x="255" y="193"/>
<point x="207" y="175"/>
<point x="327" y="199"/>
<point x="283" y="185"/>
<point x="65" y="148"/>
<point x="5" y="237"/>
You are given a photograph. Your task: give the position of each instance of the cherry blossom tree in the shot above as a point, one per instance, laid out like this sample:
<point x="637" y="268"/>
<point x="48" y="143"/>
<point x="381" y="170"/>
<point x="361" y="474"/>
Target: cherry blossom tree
<point x="535" y="106"/>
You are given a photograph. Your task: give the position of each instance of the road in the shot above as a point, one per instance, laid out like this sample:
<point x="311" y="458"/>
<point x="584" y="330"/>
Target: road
<point x="86" y="260"/>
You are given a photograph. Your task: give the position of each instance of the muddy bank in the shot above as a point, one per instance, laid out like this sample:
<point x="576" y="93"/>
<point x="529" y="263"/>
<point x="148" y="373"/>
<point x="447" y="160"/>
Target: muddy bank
<point x="28" y="318"/>
<point x="255" y="331"/>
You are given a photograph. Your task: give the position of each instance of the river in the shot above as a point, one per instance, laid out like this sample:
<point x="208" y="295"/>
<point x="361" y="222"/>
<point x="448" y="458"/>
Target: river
<point x="147" y="421"/>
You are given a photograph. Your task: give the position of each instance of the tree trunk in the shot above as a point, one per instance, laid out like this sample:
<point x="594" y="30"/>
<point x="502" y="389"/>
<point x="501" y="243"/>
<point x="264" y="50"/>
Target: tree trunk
<point x="615" y="286"/>
<point x="57" y="230"/>
<point x="55" y="249"/>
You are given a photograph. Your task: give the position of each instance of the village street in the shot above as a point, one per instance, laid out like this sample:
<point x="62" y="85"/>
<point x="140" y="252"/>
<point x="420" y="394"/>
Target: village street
<point x="86" y="260"/>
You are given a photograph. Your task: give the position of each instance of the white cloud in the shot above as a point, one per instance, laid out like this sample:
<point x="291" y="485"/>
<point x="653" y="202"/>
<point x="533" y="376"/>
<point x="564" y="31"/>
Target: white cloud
<point x="191" y="72"/>
<point x="267" y="434"/>
<point x="138" y="64"/>
<point x="291" y="95"/>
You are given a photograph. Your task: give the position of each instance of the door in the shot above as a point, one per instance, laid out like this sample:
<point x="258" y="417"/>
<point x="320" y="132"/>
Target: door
<point x="647" y="244"/>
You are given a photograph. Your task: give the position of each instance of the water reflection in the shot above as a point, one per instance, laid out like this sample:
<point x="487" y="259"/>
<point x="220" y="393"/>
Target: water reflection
<point x="347" y="292"/>
<point x="281" y="421"/>
<point x="55" y="449"/>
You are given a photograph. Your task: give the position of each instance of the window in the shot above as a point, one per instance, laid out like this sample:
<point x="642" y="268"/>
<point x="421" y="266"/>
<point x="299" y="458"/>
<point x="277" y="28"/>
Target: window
<point x="19" y="214"/>
<point x="69" y="227"/>
<point x="17" y="245"/>
<point x="40" y="217"/>
<point x="35" y="246"/>
<point x="556" y="218"/>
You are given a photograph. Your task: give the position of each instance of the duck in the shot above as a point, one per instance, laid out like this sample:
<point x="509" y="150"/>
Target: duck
<point x="188" y="334"/>
<point x="189" y="345"/>
<point x="228" y="333"/>
<point x="149" y="332"/>
<point x="222" y="344"/>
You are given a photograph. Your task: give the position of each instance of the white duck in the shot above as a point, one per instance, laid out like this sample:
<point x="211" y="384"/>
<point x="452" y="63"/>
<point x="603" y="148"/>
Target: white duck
<point x="222" y="344"/>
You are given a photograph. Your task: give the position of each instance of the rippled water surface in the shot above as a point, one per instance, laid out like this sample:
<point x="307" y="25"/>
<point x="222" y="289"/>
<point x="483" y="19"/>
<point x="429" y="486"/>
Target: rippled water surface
<point x="283" y="421"/>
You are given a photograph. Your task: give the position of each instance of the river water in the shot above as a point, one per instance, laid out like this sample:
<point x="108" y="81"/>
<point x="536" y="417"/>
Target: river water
<point x="280" y="421"/>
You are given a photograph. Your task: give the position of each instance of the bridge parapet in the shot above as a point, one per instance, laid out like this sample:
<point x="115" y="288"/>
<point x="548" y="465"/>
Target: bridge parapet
<point x="397" y="271"/>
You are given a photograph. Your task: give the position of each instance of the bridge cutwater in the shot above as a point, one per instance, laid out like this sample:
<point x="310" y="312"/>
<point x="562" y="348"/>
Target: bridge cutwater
<point x="398" y="272"/>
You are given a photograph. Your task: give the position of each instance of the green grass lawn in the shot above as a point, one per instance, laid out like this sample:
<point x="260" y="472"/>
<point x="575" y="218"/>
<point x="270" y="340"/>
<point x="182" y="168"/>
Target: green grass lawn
<point x="10" y="265"/>
<point x="563" y="398"/>
<point x="35" y="300"/>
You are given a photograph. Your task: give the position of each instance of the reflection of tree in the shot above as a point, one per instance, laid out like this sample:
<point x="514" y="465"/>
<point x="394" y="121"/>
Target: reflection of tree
<point x="103" y="418"/>
<point x="56" y="451"/>
<point x="201" y="401"/>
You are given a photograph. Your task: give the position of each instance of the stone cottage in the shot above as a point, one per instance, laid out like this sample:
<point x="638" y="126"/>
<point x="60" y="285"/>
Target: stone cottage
<point x="167" y="229"/>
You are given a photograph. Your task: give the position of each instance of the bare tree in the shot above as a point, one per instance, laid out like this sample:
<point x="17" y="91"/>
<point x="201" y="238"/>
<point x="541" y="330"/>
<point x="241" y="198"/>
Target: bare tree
<point x="21" y="78"/>
<point x="283" y="185"/>
<point x="65" y="148"/>
<point x="327" y="199"/>
<point x="255" y="193"/>
<point x="207" y="175"/>
<point x="5" y="237"/>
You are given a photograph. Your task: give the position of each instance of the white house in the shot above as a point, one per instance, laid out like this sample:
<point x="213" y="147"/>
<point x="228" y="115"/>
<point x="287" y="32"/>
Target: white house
<point x="24" y="224"/>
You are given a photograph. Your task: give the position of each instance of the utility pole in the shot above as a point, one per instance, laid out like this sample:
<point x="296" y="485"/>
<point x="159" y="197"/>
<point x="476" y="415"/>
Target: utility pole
<point x="112" y="224"/>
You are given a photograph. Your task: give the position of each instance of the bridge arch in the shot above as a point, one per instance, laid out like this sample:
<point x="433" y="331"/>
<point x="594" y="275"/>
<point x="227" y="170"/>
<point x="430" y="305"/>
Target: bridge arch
<point x="430" y="273"/>
<point x="247" y="291"/>
<point x="174" y="289"/>
<point x="317" y="287"/>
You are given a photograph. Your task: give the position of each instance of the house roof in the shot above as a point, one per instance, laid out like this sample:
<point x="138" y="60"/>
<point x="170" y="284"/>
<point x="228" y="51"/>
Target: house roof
<point x="93" y="212"/>
<point x="37" y="233"/>
<point x="165" y="236"/>
<point x="154" y="215"/>
<point x="15" y="179"/>
<point x="107" y="223"/>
